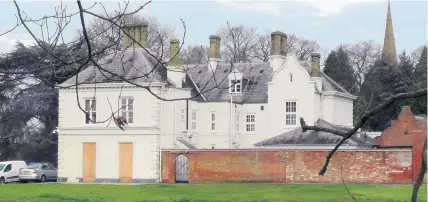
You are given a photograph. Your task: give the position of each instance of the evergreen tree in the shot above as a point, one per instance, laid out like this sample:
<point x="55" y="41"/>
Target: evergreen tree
<point x="406" y="73"/>
<point x="419" y="105"/>
<point x="385" y="80"/>
<point x="30" y="113"/>
<point x="374" y="91"/>
<point x="338" y="68"/>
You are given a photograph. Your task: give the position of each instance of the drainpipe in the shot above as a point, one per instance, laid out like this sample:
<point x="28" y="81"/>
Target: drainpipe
<point x="231" y="121"/>
<point x="175" y="109"/>
<point x="187" y="115"/>
<point x="160" y="134"/>
<point x="322" y="105"/>
<point x="236" y="123"/>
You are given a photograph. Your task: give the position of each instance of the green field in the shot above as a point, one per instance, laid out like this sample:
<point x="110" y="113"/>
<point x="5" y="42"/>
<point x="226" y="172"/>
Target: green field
<point x="204" y="192"/>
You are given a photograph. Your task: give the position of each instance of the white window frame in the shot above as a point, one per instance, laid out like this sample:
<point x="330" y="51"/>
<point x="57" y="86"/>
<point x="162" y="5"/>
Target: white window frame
<point x="289" y="121"/>
<point x="250" y="123"/>
<point x="183" y="118"/>
<point x="125" y="109"/>
<point x="235" y="86"/>
<point x="90" y="110"/>
<point x="237" y="122"/>
<point x="235" y="82"/>
<point x="194" y="126"/>
<point x="213" y="122"/>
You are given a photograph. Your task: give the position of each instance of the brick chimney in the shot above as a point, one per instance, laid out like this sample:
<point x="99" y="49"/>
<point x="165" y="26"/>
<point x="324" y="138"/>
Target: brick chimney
<point x="214" y="55"/>
<point x="278" y="50"/>
<point x="175" y="69"/>
<point x="315" y="63"/>
<point x="173" y="52"/>
<point x="284" y="44"/>
<point x="136" y="31"/>
<point x="276" y="43"/>
<point x="316" y="70"/>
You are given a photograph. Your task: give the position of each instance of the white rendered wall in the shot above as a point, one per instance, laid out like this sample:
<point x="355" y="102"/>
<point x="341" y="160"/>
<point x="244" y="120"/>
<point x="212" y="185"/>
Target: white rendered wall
<point x="145" y="155"/>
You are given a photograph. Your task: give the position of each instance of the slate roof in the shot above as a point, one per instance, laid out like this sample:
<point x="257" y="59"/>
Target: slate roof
<point x="296" y="136"/>
<point x="186" y="143"/>
<point x="216" y="88"/>
<point x="136" y="65"/>
<point x="133" y="64"/>
<point x="256" y="76"/>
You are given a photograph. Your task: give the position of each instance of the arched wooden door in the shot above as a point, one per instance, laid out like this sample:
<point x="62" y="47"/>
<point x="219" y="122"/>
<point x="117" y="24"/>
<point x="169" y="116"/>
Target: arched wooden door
<point x="181" y="169"/>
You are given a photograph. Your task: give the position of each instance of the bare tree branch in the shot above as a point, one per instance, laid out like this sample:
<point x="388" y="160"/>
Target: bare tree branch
<point x="346" y="187"/>
<point x="421" y="175"/>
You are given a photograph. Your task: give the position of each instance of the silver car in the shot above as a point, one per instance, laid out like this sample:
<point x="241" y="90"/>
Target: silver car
<point x="40" y="172"/>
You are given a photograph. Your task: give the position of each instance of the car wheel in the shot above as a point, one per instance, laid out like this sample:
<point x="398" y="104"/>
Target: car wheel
<point x="43" y="178"/>
<point x="2" y="180"/>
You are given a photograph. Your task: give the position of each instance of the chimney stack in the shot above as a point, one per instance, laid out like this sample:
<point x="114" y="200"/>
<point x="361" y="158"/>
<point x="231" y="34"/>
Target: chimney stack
<point x="174" y="55"/>
<point x="276" y="43"/>
<point x="278" y="50"/>
<point x="136" y="31"/>
<point x="284" y="44"/>
<point x="214" y="55"/>
<point x="175" y="71"/>
<point x="315" y="61"/>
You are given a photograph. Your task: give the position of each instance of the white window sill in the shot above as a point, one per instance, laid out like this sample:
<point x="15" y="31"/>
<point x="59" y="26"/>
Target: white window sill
<point x="291" y="126"/>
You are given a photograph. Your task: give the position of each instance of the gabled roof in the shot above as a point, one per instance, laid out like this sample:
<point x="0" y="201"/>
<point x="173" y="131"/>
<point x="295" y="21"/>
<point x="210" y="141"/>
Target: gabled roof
<point x="297" y="136"/>
<point x="256" y="76"/>
<point x="135" y="65"/>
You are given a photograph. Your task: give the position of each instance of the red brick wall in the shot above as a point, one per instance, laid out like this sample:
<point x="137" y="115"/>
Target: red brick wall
<point x="416" y="134"/>
<point x="396" y="134"/>
<point x="418" y="145"/>
<point x="287" y="166"/>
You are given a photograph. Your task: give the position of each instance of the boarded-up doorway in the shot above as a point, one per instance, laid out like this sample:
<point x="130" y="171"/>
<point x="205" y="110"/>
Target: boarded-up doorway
<point x="181" y="168"/>
<point x="89" y="162"/>
<point x="125" y="162"/>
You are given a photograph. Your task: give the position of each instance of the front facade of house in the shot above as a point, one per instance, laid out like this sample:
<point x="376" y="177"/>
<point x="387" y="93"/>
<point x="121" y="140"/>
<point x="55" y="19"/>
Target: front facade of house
<point x="232" y="106"/>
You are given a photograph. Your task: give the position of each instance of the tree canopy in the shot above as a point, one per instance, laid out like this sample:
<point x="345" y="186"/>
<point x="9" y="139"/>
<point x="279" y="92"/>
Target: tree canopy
<point x="338" y="67"/>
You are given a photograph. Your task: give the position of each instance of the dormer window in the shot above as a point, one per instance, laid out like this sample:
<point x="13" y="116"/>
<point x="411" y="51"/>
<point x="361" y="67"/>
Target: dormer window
<point x="235" y="86"/>
<point x="235" y="82"/>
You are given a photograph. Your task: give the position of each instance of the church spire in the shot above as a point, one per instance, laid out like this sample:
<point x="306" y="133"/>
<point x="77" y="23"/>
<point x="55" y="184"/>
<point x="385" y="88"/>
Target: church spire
<point x="389" y="53"/>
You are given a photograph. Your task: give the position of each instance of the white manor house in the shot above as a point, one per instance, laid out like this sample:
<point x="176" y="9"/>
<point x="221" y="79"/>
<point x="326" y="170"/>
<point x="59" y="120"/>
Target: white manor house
<point x="244" y="105"/>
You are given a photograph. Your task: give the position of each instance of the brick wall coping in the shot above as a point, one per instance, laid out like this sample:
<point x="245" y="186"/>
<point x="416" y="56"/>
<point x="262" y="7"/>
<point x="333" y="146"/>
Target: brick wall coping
<point x="276" y="149"/>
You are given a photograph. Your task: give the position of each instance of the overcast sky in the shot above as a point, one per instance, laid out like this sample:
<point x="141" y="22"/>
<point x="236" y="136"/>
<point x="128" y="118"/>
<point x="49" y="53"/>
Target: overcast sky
<point x="329" y="22"/>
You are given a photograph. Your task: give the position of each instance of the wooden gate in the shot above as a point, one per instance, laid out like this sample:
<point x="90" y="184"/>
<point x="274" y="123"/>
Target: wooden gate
<point x="181" y="169"/>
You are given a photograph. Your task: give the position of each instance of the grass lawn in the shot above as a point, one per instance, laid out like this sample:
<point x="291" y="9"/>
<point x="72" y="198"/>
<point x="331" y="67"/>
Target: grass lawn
<point x="204" y="192"/>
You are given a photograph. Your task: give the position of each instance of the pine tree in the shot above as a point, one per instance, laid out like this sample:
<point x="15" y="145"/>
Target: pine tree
<point x="406" y="72"/>
<point x="419" y="105"/>
<point x="338" y="68"/>
<point x="386" y="80"/>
